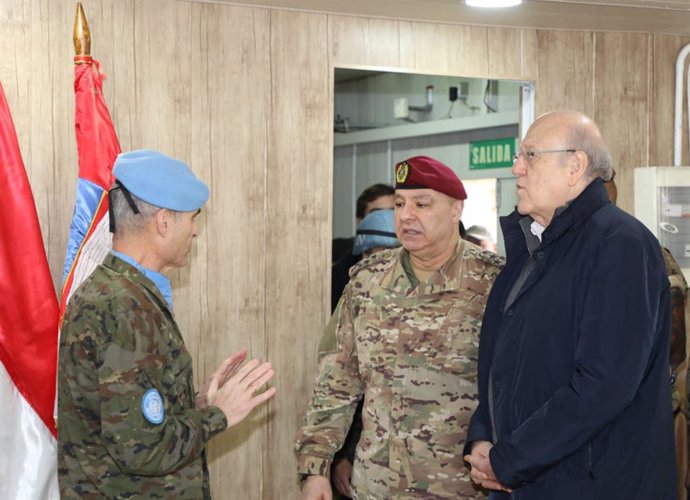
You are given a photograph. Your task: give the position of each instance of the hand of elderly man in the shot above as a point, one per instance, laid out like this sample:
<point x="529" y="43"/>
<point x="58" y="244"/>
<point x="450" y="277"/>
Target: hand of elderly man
<point x="235" y="397"/>
<point x="482" y="472"/>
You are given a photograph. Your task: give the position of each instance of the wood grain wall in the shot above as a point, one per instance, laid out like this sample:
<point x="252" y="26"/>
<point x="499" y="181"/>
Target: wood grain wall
<point x="245" y="95"/>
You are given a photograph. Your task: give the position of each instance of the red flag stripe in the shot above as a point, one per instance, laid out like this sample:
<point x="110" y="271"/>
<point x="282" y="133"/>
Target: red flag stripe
<point x="98" y="147"/>
<point x="28" y="309"/>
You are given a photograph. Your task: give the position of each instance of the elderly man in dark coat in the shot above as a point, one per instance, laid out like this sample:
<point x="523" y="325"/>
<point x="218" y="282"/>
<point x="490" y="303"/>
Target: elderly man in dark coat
<point x="575" y="397"/>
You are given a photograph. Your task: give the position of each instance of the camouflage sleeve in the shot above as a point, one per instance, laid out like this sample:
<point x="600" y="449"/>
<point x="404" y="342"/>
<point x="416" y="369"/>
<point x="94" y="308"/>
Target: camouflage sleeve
<point x="347" y="452"/>
<point x="329" y="341"/>
<point x="337" y="391"/>
<point x="678" y="356"/>
<point x="129" y="368"/>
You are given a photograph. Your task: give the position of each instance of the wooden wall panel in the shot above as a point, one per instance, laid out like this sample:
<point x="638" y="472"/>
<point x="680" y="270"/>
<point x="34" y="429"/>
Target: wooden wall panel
<point x="162" y="60"/>
<point x="299" y="180"/>
<point x="231" y="109"/>
<point x="365" y="42"/>
<point x="426" y="48"/>
<point x="119" y="64"/>
<point x="529" y="50"/>
<point x="565" y="66"/>
<point x="475" y="51"/>
<point x="50" y="157"/>
<point x="441" y="48"/>
<point x="406" y="45"/>
<point x="14" y="66"/>
<point x="620" y="104"/>
<point x="245" y="95"/>
<point x="504" y="53"/>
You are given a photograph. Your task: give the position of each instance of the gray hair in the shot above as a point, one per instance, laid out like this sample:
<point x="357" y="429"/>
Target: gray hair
<point x="585" y="136"/>
<point x="126" y="221"/>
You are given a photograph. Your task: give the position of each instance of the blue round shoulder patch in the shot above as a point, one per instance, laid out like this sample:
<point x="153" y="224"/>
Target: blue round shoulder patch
<point x="152" y="406"/>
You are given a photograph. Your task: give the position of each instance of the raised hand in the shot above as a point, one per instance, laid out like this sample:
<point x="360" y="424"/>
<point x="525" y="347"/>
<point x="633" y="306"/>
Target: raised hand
<point x="226" y="370"/>
<point x="236" y="396"/>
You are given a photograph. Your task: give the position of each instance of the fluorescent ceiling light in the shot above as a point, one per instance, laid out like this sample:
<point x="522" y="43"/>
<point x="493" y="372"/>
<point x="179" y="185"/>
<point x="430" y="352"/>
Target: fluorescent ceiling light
<point x="493" y="3"/>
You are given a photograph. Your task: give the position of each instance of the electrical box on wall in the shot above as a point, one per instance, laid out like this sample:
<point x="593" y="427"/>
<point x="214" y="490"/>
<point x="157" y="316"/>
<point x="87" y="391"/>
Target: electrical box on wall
<point x="662" y="203"/>
<point x="401" y="108"/>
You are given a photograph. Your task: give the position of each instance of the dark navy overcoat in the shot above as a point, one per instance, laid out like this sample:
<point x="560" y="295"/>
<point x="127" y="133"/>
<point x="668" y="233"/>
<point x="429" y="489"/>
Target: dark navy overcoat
<point x="574" y="382"/>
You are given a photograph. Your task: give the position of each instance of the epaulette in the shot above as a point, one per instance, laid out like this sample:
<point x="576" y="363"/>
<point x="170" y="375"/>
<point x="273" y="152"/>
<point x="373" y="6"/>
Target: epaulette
<point x="385" y="256"/>
<point x="493" y="259"/>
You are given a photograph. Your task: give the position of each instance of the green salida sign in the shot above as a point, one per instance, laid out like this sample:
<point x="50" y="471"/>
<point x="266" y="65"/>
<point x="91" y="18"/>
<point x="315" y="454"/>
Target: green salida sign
<point x="492" y="154"/>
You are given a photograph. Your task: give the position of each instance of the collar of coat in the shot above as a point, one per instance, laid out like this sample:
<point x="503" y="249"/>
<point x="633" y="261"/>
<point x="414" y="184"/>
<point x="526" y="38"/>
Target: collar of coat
<point x="570" y="215"/>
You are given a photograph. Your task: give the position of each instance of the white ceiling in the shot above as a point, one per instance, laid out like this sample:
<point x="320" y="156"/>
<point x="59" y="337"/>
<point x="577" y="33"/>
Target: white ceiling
<point x="657" y="16"/>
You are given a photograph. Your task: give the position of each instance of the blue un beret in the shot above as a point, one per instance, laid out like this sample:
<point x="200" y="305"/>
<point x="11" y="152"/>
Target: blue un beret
<point x="160" y="180"/>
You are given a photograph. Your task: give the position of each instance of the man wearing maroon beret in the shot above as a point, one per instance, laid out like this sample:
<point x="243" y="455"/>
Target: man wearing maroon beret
<point x="407" y="345"/>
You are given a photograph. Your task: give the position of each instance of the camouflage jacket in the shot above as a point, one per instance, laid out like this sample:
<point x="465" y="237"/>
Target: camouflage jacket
<point x="411" y="353"/>
<point x="679" y="364"/>
<point x="119" y="341"/>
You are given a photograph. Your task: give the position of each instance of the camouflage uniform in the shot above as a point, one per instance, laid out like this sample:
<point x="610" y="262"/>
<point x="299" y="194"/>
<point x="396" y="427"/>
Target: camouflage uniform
<point x="411" y="353"/>
<point x="119" y="340"/>
<point x="679" y="365"/>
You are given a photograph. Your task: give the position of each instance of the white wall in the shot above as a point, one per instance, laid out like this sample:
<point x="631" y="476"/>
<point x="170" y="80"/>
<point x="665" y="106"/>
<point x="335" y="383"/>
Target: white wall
<point x="369" y="101"/>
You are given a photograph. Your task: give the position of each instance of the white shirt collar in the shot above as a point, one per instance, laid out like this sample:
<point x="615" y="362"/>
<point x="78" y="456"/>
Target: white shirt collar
<point x="536" y="229"/>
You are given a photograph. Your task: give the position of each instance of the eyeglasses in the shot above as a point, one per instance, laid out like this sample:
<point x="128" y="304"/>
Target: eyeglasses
<point x="529" y="155"/>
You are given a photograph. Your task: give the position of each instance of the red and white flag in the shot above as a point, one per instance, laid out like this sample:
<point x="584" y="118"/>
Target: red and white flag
<point x="90" y="239"/>
<point x="28" y="334"/>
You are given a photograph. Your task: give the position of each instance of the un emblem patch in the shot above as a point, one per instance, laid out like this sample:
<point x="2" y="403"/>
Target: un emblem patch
<point x="152" y="406"/>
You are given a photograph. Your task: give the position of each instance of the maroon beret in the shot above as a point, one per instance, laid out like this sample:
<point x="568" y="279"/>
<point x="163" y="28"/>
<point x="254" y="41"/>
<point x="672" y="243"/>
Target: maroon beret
<point x="423" y="172"/>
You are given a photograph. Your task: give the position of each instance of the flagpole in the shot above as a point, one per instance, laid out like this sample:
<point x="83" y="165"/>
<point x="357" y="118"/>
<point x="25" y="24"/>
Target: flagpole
<point x="97" y="148"/>
<point x="81" y="37"/>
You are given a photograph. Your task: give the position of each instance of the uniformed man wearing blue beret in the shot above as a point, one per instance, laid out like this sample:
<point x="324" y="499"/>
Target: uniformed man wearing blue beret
<point x="130" y="423"/>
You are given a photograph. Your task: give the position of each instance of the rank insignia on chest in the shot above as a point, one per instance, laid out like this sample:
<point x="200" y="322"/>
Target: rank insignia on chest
<point x="152" y="406"/>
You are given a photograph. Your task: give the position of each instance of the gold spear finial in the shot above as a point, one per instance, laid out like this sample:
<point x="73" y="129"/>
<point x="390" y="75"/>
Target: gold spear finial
<point x="81" y="37"/>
